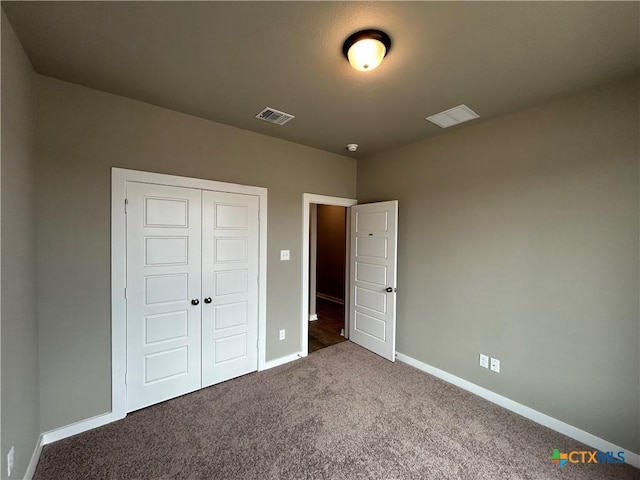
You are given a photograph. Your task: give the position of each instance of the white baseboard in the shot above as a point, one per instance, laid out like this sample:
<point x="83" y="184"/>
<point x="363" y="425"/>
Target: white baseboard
<point x="313" y="317"/>
<point x="33" y="463"/>
<point x="79" y="427"/>
<point x="324" y="296"/>
<point x="100" y="420"/>
<point x="64" y="432"/>
<point x="538" y="417"/>
<point x="527" y="412"/>
<point x="282" y="360"/>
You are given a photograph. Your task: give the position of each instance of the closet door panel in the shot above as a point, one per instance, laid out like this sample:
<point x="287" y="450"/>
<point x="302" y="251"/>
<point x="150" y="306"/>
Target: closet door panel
<point x="163" y="277"/>
<point x="229" y="285"/>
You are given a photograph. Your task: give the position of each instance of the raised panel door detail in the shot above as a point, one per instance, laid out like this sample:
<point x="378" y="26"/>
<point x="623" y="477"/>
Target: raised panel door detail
<point x="165" y="289"/>
<point x="165" y="251"/>
<point x="230" y="348"/>
<point x="165" y="365"/>
<point x="376" y="301"/>
<point x="230" y="315"/>
<point x="165" y="326"/>
<point x="185" y="243"/>
<point x="372" y="278"/>
<point x="375" y="274"/>
<point x="230" y="250"/>
<point x="370" y="326"/>
<point x="234" y="217"/>
<point x="164" y="272"/>
<point x="166" y="212"/>
<point x="230" y="263"/>
<point x="371" y="222"/>
<point x="229" y="282"/>
<point x="375" y="247"/>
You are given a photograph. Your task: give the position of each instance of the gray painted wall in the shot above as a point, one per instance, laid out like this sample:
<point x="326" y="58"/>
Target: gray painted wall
<point x="82" y="133"/>
<point x="20" y="424"/>
<point x="518" y="238"/>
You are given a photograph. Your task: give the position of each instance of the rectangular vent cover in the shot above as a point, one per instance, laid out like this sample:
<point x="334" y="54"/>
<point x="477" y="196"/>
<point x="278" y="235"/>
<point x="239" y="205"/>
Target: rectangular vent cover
<point x="453" y="116"/>
<point x="272" y="115"/>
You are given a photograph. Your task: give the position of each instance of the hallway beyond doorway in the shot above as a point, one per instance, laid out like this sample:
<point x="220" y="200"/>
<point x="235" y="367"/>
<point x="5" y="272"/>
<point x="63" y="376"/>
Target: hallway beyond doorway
<point x="325" y="331"/>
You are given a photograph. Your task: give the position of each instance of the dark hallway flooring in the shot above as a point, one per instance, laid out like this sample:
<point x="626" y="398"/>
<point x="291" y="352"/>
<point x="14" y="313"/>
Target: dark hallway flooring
<point x="325" y="331"/>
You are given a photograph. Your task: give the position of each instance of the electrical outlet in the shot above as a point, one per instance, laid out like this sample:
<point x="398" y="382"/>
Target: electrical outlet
<point x="283" y="334"/>
<point x="284" y="255"/>
<point x="495" y="365"/>
<point x="484" y="360"/>
<point x="10" y="462"/>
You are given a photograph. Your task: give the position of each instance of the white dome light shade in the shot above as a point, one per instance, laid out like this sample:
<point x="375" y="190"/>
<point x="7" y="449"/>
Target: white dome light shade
<point x="366" y="49"/>
<point x="366" y="54"/>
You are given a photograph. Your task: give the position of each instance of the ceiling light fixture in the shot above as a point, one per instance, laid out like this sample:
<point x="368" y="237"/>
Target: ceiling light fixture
<point x="366" y="49"/>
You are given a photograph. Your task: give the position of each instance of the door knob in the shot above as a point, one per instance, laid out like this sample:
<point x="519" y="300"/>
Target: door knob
<point x="195" y="301"/>
<point x="388" y="289"/>
<point x="207" y="300"/>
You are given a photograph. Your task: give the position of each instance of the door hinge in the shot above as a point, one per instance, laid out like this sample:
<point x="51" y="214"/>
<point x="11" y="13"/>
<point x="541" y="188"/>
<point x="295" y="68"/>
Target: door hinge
<point x="126" y="377"/>
<point x="125" y="293"/>
<point x="126" y="202"/>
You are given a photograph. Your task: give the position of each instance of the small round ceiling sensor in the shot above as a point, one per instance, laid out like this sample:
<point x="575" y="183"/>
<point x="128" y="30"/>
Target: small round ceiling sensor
<point x="352" y="147"/>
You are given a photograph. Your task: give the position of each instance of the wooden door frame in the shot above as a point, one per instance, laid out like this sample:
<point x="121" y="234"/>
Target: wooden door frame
<point x="307" y="200"/>
<point x="119" y="179"/>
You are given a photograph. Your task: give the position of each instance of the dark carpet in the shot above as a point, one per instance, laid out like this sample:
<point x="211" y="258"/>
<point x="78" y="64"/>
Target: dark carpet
<point x="341" y="413"/>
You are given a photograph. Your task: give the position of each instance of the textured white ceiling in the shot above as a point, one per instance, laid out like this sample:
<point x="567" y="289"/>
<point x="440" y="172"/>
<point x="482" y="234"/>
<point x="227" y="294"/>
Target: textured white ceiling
<point x="225" y="61"/>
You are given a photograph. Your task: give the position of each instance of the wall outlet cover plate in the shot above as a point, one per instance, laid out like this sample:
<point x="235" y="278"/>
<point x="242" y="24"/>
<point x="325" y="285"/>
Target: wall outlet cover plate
<point x="495" y="365"/>
<point x="484" y="360"/>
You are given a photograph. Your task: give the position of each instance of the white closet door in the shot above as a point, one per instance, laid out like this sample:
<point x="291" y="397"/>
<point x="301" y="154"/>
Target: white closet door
<point x="229" y="286"/>
<point x="163" y="277"/>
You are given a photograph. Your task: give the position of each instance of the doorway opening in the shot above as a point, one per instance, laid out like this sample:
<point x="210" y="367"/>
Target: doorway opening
<point x="333" y="303"/>
<point x="327" y="275"/>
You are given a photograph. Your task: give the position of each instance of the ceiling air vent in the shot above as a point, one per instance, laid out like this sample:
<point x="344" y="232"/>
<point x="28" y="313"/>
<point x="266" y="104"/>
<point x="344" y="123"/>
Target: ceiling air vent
<point x="272" y="115"/>
<point x="453" y="116"/>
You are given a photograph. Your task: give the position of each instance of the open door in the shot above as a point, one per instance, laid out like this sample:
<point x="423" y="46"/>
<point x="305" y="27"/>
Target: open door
<point x="372" y="286"/>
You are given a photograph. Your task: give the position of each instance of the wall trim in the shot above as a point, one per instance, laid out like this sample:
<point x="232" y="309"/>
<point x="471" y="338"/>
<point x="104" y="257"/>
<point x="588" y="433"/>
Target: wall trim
<point x="541" y="418"/>
<point x="313" y="258"/>
<point x="307" y="200"/>
<point x="35" y="457"/>
<point x="110" y="417"/>
<point x="329" y="298"/>
<point x="64" y="432"/>
<point x="587" y="438"/>
<point x="79" y="427"/>
<point x="100" y="420"/>
<point x="282" y="360"/>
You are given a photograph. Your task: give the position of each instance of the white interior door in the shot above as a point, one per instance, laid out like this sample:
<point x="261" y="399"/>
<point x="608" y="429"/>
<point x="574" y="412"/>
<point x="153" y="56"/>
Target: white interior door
<point x="374" y="232"/>
<point x="163" y="276"/>
<point x="229" y="286"/>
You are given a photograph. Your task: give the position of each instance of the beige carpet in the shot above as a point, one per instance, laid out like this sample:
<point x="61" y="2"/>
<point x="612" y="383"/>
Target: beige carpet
<point x="341" y="413"/>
